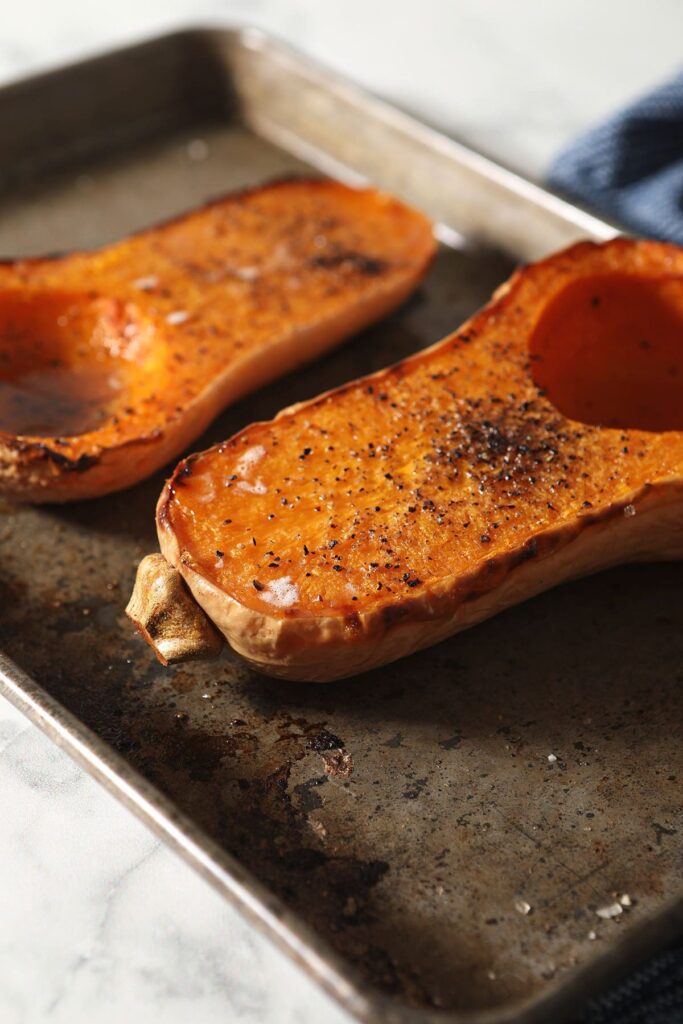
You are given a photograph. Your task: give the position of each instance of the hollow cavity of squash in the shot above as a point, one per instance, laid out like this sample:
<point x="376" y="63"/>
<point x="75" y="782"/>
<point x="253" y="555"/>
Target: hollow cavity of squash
<point x="608" y="351"/>
<point x="69" y="363"/>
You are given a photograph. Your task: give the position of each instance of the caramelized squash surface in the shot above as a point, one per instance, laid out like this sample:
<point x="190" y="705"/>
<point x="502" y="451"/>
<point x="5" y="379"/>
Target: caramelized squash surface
<point x="112" y="361"/>
<point x="394" y="511"/>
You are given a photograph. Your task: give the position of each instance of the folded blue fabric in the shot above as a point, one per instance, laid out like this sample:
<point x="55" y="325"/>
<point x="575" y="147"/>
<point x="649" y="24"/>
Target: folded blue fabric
<point x="631" y="167"/>
<point x="653" y="995"/>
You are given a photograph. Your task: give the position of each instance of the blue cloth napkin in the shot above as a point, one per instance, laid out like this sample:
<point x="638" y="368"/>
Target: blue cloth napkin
<point x="631" y="167"/>
<point x="653" y="995"/>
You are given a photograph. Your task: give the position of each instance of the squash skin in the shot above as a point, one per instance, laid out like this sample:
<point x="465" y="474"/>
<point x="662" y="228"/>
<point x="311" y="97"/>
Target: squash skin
<point x="186" y="317"/>
<point x="547" y="498"/>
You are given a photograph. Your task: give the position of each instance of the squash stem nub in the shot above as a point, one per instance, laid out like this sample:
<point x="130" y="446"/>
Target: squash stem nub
<point x="164" y="611"/>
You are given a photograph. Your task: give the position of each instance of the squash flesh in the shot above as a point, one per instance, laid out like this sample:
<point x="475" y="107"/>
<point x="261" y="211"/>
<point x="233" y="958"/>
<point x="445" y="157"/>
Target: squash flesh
<point x="143" y="342"/>
<point x="409" y="492"/>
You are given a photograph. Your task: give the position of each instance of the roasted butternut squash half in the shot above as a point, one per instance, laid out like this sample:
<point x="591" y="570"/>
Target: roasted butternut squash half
<point x="113" y="361"/>
<point x="540" y="442"/>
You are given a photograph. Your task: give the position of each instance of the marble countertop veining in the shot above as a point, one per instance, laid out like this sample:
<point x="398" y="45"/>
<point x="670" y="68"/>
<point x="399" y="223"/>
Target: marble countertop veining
<point x="98" y="920"/>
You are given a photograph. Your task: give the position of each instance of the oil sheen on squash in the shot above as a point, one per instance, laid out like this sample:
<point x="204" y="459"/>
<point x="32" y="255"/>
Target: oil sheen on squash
<point x="68" y="363"/>
<point x="442" y="472"/>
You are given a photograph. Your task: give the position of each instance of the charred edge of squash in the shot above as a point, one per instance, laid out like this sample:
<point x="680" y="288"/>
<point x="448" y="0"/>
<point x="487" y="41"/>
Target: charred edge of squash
<point x="66" y="464"/>
<point x="40" y="450"/>
<point x="235" y="195"/>
<point x="176" y="479"/>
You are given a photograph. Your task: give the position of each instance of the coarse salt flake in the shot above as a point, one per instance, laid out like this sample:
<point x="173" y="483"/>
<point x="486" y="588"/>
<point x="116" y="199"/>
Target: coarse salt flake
<point x="552" y="758"/>
<point x="145" y="284"/>
<point x="178" y="316"/>
<point x="522" y="907"/>
<point x="629" y="510"/>
<point x="610" y="911"/>
<point x="247" y="273"/>
<point x="249" y="458"/>
<point x="281" y="592"/>
<point x="257" y="487"/>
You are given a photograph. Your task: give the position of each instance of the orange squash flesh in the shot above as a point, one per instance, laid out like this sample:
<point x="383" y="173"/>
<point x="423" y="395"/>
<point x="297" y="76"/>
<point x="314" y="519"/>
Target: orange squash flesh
<point x="112" y="361"/>
<point x="389" y="513"/>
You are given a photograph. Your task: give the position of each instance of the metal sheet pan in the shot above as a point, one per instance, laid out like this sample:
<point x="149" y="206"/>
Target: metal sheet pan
<point x="403" y="886"/>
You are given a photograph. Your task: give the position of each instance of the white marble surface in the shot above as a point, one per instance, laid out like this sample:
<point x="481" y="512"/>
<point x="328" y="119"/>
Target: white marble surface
<point x="98" y="921"/>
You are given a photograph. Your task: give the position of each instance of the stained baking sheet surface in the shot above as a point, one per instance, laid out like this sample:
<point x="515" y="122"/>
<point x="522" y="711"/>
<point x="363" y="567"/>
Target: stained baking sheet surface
<point x="494" y="792"/>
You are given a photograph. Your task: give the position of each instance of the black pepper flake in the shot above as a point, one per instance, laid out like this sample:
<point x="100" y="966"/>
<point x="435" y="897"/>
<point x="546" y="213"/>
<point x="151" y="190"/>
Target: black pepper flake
<point x="414" y="583"/>
<point x="305" y="453"/>
<point x="306" y="551"/>
<point x="337" y="568"/>
<point x="332" y="544"/>
<point x="219" y="554"/>
<point x="253" y="541"/>
<point x="485" y="539"/>
<point x="257" y="585"/>
<point x="226" y="522"/>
